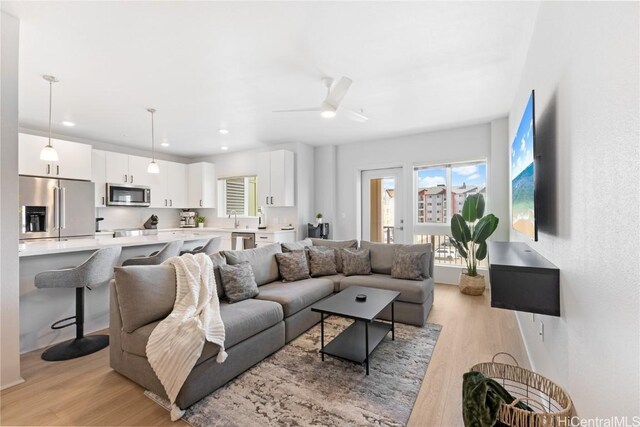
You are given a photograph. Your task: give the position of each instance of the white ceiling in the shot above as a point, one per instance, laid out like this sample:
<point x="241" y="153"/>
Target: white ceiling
<point x="205" y="65"/>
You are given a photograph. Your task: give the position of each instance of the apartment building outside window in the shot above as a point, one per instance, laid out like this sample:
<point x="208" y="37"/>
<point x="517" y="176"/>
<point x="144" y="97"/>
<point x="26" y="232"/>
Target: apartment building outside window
<point x="444" y="189"/>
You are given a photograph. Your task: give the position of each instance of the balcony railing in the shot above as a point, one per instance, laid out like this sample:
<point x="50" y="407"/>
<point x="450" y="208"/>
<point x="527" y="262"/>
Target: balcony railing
<point x="445" y="252"/>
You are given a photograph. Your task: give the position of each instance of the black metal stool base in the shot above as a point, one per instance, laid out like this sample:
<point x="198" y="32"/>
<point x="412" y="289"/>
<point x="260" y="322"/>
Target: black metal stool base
<point x="77" y="347"/>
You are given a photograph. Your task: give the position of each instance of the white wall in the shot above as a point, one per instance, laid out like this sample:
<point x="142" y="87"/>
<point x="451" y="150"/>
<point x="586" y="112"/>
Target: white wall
<point x="325" y="185"/>
<point x="9" y="280"/>
<point x="583" y="64"/>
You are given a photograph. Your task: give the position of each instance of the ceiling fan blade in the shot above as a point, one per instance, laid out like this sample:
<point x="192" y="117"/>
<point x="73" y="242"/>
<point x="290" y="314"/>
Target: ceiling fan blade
<point x="355" y="116"/>
<point x="335" y="96"/>
<point x="297" y="110"/>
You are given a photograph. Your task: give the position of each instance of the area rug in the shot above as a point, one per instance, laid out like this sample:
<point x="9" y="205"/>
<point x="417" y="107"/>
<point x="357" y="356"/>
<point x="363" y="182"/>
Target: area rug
<point x="293" y="387"/>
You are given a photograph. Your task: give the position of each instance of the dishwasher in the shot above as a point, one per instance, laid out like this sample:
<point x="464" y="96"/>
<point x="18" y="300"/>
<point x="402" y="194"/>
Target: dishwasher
<point x="248" y="241"/>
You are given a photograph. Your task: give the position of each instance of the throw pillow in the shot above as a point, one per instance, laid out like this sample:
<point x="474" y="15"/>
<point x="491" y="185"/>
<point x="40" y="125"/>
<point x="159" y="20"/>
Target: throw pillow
<point x="337" y="245"/>
<point x="293" y="266"/>
<point x="407" y="265"/>
<point x="322" y="261"/>
<point x="296" y="246"/>
<point x="238" y="281"/>
<point x="356" y="262"/>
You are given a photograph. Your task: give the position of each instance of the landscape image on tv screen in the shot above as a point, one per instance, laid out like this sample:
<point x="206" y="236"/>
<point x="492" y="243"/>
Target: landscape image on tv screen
<point x="523" y="175"/>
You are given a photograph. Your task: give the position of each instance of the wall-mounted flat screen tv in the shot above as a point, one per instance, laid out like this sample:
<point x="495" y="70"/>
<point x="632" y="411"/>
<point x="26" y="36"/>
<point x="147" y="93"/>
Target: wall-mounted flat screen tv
<point x="523" y="203"/>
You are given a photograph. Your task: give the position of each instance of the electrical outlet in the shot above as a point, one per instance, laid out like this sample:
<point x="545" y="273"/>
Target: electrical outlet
<point x="541" y="331"/>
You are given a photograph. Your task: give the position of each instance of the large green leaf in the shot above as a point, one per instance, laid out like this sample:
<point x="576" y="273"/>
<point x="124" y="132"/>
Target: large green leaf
<point x="460" y="229"/>
<point x="479" y="205"/>
<point x="481" y="252"/>
<point x="461" y="249"/>
<point x="469" y="209"/>
<point x="485" y="228"/>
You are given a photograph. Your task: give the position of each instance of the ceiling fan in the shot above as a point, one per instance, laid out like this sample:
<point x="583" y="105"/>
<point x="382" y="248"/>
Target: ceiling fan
<point x="330" y="106"/>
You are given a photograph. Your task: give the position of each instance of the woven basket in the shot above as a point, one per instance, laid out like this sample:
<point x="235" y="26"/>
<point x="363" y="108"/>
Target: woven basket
<point x="552" y="406"/>
<point x="472" y="285"/>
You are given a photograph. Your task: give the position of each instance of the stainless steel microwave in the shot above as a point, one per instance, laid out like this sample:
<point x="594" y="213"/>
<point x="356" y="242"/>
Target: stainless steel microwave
<point x="128" y="195"/>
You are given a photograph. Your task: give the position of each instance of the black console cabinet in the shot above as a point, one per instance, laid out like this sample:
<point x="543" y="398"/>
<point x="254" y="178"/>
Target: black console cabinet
<point x="523" y="280"/>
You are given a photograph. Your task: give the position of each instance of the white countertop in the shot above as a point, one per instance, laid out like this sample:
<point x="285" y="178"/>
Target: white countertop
<point x="269" y="230"/>
<point x="77" y="245"/>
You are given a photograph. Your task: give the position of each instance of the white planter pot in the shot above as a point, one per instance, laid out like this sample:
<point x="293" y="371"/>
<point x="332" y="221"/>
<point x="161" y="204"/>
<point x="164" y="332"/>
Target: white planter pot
<point x="201" y="225"/>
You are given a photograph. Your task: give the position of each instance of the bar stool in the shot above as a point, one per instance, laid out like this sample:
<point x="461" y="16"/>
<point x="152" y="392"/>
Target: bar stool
<point x="169" y="250"/>
<point x="95" y="271"/>
<point x="208" y="248"/>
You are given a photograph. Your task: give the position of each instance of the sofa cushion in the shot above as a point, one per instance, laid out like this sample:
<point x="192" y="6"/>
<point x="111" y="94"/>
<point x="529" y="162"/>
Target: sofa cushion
<point x="297" y="295"/>
<point x="218" y="259"/>
<point x="293" y="265"/>
<point x="355" y="261"/>
<point x="382" y="255"/>
<point x="336" y="244"/>
<point x="407" y="264"/>
<point x="413" y="291"/>
<point x="238" y="282"/>
<point x="335" y="278"/>
<point x="296" y="246"/>
<point x="322" y="261"/>
<point x="241" y="320"/>
<point x="146" y="293"/>
<point x="262" y="260"/>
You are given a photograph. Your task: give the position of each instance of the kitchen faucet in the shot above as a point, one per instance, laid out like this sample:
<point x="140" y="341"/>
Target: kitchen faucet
<point x="236" y="223"/>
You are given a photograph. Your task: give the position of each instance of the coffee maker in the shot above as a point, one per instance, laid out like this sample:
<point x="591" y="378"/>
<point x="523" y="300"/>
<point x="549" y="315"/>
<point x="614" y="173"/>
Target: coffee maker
<point x="188" y="218"/>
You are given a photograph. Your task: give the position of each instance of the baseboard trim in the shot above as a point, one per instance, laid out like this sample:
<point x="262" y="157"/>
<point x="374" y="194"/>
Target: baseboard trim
<point x="11" y="384"/>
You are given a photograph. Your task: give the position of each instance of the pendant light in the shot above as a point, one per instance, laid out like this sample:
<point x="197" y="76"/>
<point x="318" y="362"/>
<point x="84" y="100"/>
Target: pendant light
<point x="153" y="166"/>
<point x="48" y="153"/>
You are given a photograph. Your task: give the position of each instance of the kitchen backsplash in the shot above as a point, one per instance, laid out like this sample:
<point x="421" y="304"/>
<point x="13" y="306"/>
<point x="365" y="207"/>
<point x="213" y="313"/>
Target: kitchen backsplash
<point x="129" y="217"/>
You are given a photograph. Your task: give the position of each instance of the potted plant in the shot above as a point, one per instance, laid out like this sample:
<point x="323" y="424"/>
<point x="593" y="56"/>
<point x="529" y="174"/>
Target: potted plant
<point x="200" y="220"/>
<point x="318" y="218"/>
<point x="470" y="231"/>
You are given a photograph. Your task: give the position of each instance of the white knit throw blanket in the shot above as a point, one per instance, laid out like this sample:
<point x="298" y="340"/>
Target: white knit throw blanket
<point x="176" y="343"/>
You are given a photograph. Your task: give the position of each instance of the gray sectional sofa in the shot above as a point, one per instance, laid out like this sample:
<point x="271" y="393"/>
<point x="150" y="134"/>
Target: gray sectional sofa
<point x="142" y="296"/>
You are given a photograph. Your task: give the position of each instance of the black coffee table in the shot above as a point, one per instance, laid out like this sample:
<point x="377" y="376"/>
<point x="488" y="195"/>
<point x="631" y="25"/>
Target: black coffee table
<point x="359" y="340"/>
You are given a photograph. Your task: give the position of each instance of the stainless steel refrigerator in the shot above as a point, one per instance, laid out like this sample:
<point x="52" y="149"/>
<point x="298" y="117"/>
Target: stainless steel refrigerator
<point x="56" y="209"/>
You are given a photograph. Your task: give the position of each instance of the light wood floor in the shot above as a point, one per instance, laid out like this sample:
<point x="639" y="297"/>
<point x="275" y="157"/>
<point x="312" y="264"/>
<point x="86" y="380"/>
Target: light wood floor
<point x="86" y="391"/>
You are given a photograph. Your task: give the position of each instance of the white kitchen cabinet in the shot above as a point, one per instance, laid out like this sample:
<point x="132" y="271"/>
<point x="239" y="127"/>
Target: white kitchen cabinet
<point x="158" y="184"/>
<point x="117" y="168"/>
<point x="202" y="185"/>
<point x="99" y="176"/>
<point x="177" y="190"/>
<point x="138" y="174"/>
<point x="74" y="159"/>
<point x="276" y="179"/>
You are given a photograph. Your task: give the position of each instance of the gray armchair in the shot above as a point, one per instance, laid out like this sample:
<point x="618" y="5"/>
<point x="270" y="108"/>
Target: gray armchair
<point x="169" y="250"/>
<point x="95" y="271"/>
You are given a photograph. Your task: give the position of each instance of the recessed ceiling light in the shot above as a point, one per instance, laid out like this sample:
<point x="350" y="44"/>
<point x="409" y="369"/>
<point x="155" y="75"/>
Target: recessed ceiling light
<point x="223" y="131"/>
<point x="224" y="148"/>
<point x="68" y="124"/>
<point x="165" y="144"/>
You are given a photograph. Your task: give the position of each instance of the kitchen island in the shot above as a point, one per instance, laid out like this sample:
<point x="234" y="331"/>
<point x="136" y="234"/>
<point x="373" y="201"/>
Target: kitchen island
<point x="39" y="308"/>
